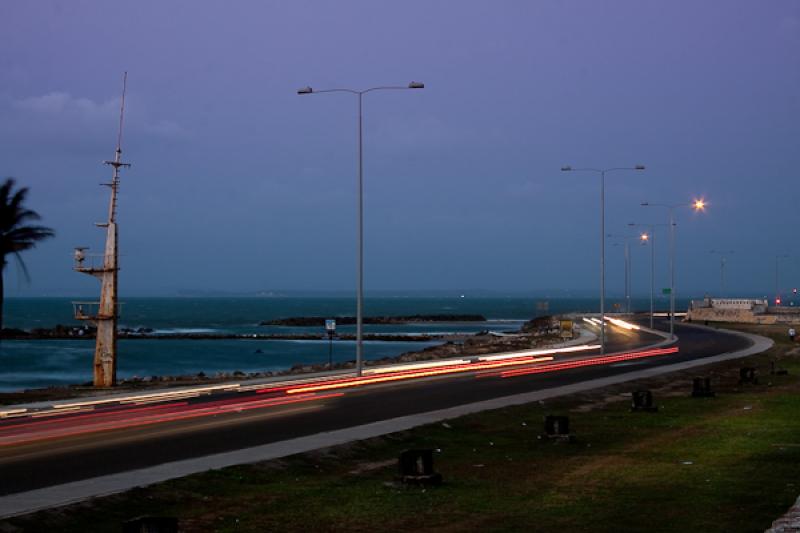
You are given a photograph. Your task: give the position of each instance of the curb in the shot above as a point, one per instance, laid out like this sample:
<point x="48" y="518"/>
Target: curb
<point x="789" y="522"/>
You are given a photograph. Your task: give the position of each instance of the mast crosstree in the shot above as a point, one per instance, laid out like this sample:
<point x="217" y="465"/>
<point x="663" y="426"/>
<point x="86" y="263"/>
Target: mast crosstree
<point x="105" y="313"/>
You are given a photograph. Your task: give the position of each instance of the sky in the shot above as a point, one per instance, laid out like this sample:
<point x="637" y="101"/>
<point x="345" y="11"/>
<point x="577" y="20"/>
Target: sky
<point x="239" y="184"/>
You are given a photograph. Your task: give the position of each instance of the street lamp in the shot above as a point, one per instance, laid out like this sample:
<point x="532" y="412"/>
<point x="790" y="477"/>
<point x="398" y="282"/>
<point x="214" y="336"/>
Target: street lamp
<point x="648" y="237"/>
<point x="602" y="173"/>
<point x="697" y="205"/>
<point x="777" y="286"/>
<point x="722" y="260"/>
<point x="628" y="272"/>
<point x="360" y="252"/>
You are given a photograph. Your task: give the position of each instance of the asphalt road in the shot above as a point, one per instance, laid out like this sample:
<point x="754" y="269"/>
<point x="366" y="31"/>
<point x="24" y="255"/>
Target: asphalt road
<point x="241" y="420"/>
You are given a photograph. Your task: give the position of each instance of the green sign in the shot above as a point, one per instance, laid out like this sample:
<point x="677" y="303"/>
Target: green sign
<point x="666" y="291"/>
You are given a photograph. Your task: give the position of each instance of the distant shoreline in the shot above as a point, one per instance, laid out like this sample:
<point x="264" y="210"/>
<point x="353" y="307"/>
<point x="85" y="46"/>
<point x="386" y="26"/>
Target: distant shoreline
<point x="319" y="321"/>
<point x="61" y="332"/>
<point x="72" y="334"/>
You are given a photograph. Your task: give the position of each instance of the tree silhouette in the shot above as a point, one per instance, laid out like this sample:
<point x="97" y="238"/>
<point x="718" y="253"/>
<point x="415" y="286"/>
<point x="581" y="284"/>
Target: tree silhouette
<point x="16" y="235"/>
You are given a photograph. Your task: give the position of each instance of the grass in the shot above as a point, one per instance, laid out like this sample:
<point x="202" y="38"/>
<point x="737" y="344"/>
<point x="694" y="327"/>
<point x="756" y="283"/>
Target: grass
<point x="729" y="463"/>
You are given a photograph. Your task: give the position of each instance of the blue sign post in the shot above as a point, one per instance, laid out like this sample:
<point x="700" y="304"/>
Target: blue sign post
<point x="330" y="329"/>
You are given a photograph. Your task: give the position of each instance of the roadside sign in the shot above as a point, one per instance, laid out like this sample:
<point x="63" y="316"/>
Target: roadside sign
<point x="566" y="329"/>
<point x="666" y="291"/>
<point x="330" y="329"/>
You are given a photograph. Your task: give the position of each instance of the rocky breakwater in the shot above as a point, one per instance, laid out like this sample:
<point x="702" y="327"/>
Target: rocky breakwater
<point x="86" y="332"/>
<point x="537" y="333"/>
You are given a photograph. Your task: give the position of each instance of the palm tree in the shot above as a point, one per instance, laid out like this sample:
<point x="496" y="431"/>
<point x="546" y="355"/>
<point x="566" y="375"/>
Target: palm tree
<point x="15" y="234"/>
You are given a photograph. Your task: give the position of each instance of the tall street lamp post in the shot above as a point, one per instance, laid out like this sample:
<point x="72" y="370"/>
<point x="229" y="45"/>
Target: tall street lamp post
<point x="628" y="272"/>
<point x="778" y="257"/>
<point x="649" y="238"/>
<point x="360" y="252"/>
<point x="723" y="259"/>
<point x="602" y="173"/>
<point x="697" y="205"/>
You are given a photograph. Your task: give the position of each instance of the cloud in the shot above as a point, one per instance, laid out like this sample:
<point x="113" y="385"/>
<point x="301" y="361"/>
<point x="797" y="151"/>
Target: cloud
<point x="62" y="107"/>
<point x="58" y="103"/>
<point x="166" y="129"/>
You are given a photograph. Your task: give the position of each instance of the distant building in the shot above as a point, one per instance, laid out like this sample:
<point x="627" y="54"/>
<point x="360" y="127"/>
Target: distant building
<point x="745" y="310"/>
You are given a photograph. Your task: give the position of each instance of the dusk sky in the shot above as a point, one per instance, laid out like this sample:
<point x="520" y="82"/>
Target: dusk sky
<point x="239" y="184"/>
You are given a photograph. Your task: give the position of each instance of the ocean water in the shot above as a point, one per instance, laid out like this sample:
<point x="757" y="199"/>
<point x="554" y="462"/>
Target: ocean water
<point x="38" y="363"/>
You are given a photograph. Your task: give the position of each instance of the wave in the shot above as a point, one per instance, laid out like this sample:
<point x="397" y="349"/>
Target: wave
<point x="184" y="331"/>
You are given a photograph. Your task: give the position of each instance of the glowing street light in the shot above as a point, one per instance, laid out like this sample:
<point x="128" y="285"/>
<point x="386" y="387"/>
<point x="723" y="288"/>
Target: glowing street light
<point x="698" y="205"/>
<point x="649" y="239"/>
<point x="778" y="257"/>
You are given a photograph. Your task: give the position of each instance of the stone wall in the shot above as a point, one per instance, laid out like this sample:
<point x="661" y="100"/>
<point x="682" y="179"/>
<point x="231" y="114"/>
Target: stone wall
<point x="744" y="316"/>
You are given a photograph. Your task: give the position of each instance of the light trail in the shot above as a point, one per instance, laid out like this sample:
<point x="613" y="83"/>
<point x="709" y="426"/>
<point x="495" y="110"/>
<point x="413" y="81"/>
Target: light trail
<point x="588" y="362"/>
<point x="93" y="416"/>
<point x="69" y="410"/>
<point x="455" y="363"/>
<point x="414" y="366"/>
<point x="169" y="395"/>
<point x="99" y="426"/>
<point x="531" y="353"/>
<point x="116" y="412"/>
<point x="88" y="415"/>
<point x="404" y="374"/>
<point x="10" y="413"/>
<point x="622" y="323"/>
<point x="383" y="379"/>
<point x="194" y="392"/>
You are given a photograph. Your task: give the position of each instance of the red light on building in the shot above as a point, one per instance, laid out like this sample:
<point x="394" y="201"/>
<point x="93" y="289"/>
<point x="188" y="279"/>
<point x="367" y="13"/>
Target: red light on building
<point x="777" y="301"/>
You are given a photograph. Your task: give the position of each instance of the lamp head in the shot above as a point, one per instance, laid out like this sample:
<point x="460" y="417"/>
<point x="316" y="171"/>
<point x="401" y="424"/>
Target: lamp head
<point x="699" y="205"/>
<point x="644" y="237"/>
<point x="305" y="90"/>
<point x="416" y="85"/>
<point x="566" y="168"/>
<point x="639" y="167"/>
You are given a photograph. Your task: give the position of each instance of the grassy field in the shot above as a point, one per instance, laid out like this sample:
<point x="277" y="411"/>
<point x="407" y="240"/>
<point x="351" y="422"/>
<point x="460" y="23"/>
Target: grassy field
<point x="729" y="463"/>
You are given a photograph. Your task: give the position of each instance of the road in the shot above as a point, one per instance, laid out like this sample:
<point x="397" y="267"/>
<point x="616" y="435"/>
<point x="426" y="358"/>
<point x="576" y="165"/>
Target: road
<point x="105" y="439"/>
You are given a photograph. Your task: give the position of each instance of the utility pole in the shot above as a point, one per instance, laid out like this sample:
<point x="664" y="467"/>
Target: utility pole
<point x="105" y="313"/>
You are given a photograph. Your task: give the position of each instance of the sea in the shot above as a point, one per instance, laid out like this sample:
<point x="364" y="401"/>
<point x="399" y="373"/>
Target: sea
<point x="40" y="363"/>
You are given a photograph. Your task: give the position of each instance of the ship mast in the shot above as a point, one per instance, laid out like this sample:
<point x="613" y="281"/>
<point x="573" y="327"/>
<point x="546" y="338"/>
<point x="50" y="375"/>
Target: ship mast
<point x="105" y="313"/>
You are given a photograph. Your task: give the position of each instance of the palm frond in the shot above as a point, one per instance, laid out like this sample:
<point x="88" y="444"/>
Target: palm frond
<point x="22" y="266"/>
<point x="16" y="237"/>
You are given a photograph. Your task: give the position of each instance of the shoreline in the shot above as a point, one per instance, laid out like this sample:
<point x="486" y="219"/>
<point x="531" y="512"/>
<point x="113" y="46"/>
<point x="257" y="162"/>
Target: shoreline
<point x="535" y="333"/>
